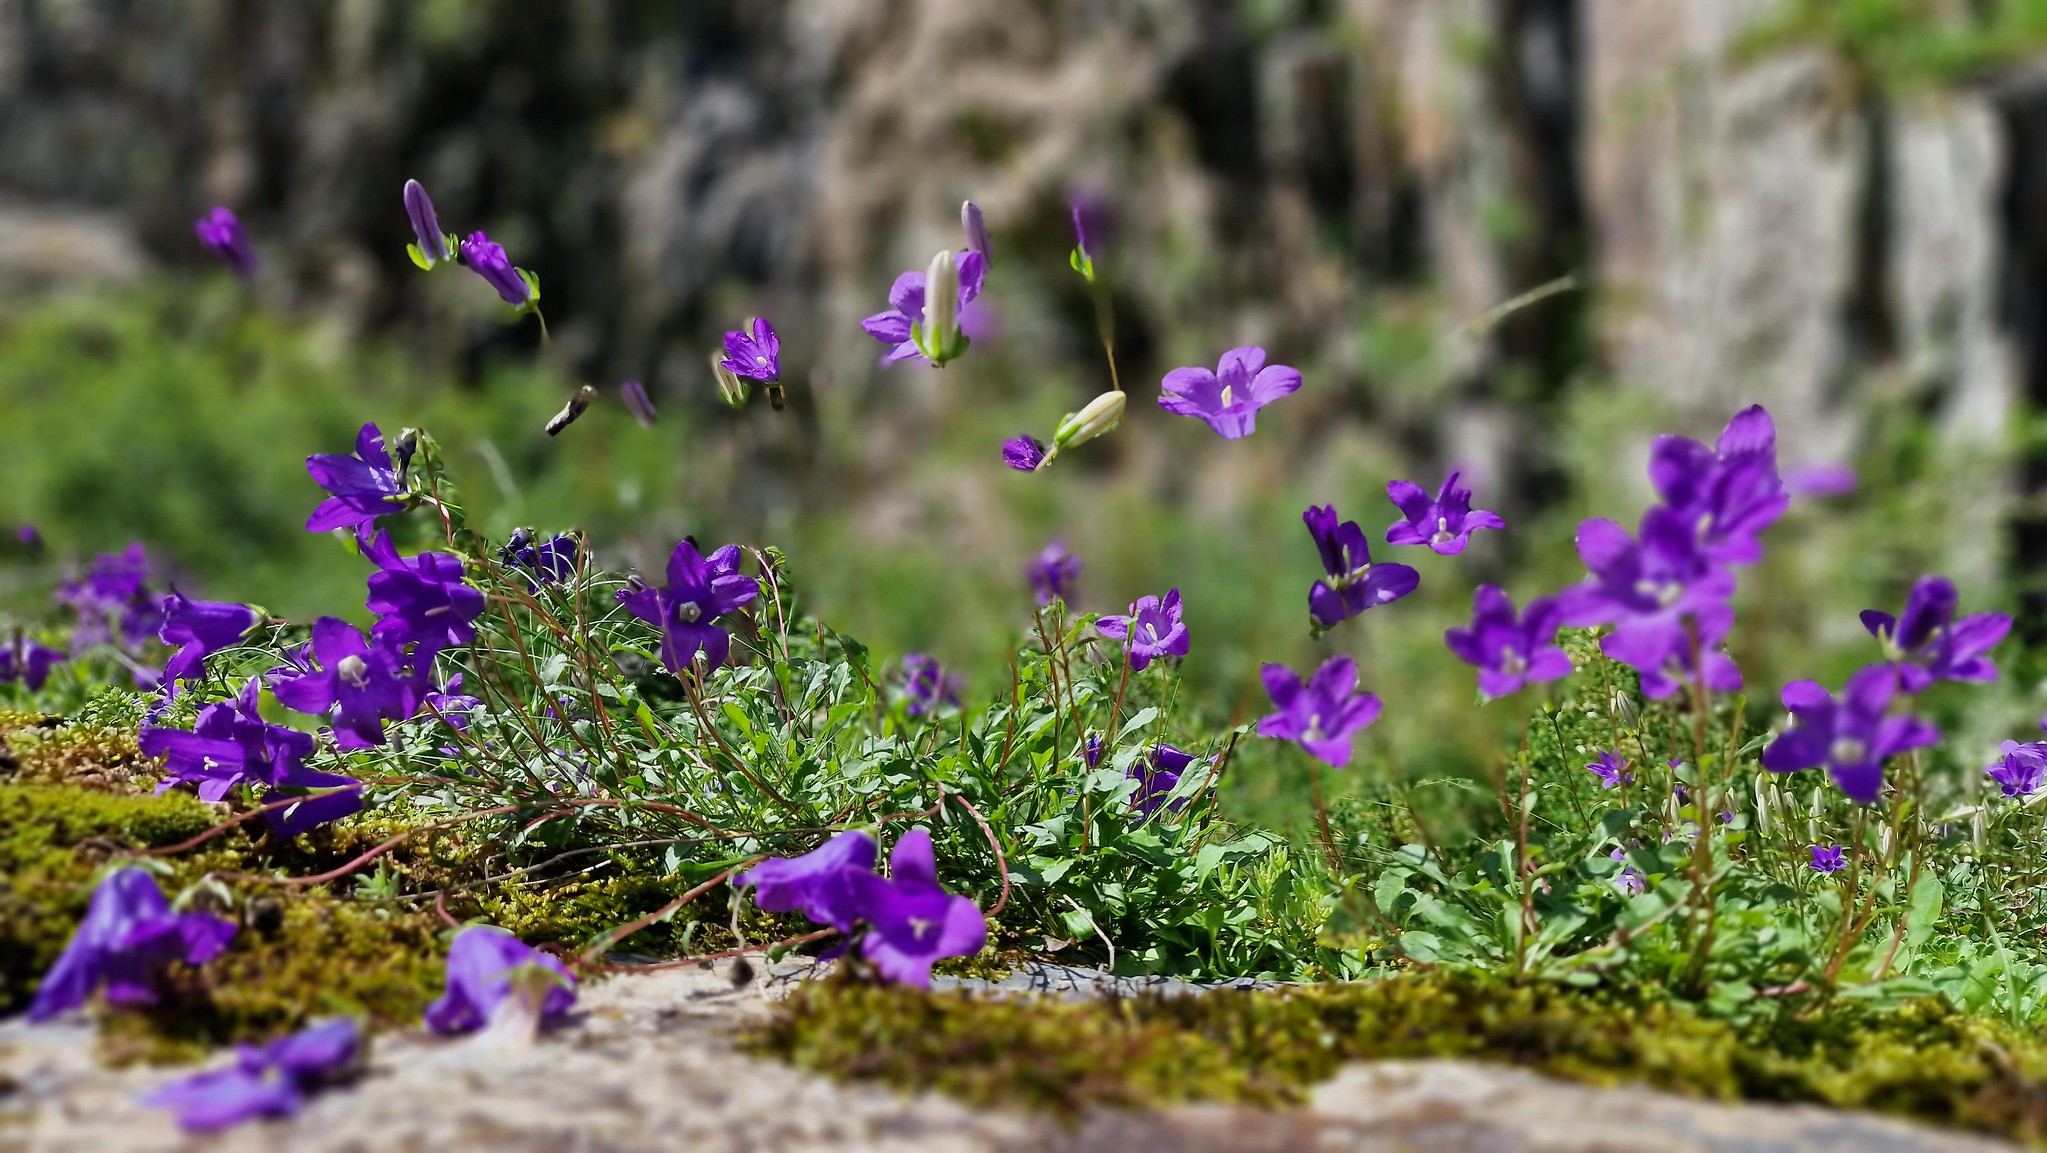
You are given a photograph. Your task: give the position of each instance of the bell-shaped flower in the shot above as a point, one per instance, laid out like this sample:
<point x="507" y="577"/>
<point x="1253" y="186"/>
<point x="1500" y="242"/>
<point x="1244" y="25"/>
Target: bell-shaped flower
<point x="486" y="258"/>
<point x="1024" y="453"/>
<point x="358" y="682"/>
<point x="1827" y="859"/>
<point x="198" y="629"/>
<point x="975" y="225"/>
<point x="220" y="231"/>
<point x="1444" y="522"/>
<point x="1229" y="398"/>
<point x="907" y="306"/>
<point x="361" y="488"/>
<point x="1509" y="651"/>
<point x="1153" y="629"/>
<point x="1052" y="573"/>
<point x="1927" y="643"/>
<point x="757" y="356"/>
<point x="912" y="921"/>
<point x="926" y="686"/>
<point x="432" y="245"/>
<point x="229" y="744"/>
<point x="270" y="1080"/>
<point x="1157" y="777"/>
<point x="810" y="884"/>
<point x="1656" y="593"/>
<point x="2020" y="769"/>
<point x="1851" y="736"/>
<point x="420" y="601"/>
<point x="548" y="562"/>
<point x="27" y="661"/>
<point x="700" y="589"/>
<point x="1322" y="715"/>
<point x="1354" y="582"/>
<point x="491" y="972"/>
<point x="1611" y="770"/>
<point x="128" y="936"/>
<point x="1725" y="495"/>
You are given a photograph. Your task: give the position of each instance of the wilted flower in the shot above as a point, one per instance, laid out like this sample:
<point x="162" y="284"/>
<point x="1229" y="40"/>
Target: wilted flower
<point x="1611" y="770"/>
<point x="433" y="245"/>
<point x="926" y="686"/>
<point x="1852" y="737"/>
<point x="2021" y="769"/>
<point x="27" y="661"/>
<point x="634" y="394"/>
<point x="1509" y="652"/>
<point x="221" y="232"/>
<point x="1444" y="523"/>
<point x="487" y="967"/>
<point x="264" y="1081"/>
<point x="1725" y="496"/>
<point x="1024" y="453"/>
<point x="1355" y="583"/>
<point x="1322" y="715"/>
<point x="355" y="680"/>
<point x="1099" y="418"/>
<point x="1230" y="397"/>
<point x="421" y="600"/>
<point x="907" y="307"/>
<point x="363" y="487"/>
<point x="485" y="257"/>
<point x="1153" y="629"/>
<point x="756" y="357"/>
<point x="811" y="884"/>
<point x="1927" y="643"/>
<point x="699" y="591"/>
<point x="1828" y="859"/>
<point x="1052" y="573"/>
<point x="912" y="921"/>
<point x="128" y="936"/>
<point x="1156" y="779"/>
<point x="198" y="629"/>
<point x="976" y="227"/>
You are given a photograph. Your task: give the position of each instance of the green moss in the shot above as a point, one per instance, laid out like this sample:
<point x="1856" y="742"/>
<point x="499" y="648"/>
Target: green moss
<point x="1924" y="1061"/>
<point x="94" y="748"/>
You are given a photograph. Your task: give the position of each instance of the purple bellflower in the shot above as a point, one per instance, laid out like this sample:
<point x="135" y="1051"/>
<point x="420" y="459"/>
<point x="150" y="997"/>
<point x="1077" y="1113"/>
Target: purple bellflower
<point x="1656" y="593"/>
<point x="906" y="307"/>
<point x="1611" y="770"/>
<point x="488" y="967"/>
<point x="1355" y="583"/>
<point x="198" y="629"/>
<point x="549" y="562"/>
<point x="1509" y="652"/>
<point x="1024" y="453"/>
<point x="926" y="685"/>
<point x="357" y="681"/>
<point x="1324" y="714"/>
<point x="911" y="921"/>
<point x="113" y="601"/>
<point x="1152" y="629"/>
<point x="1630" y="880"/>
<point x="1229" y="398"/>
<point x="700" y="590"/>
<point x="361" y="488"/>
<point x="1851" y="736"/>
<point x="127" y="937"/>
<point x="420" y="600"/>
<point x="270" y="1080"/>
<point x="756" y="357"/>
<point x="1157" y="779"/>
<point x="634" y="394"/>
<point x="221" y="232"/>
<point x="486" y="257"/>
<point x="433" y="245"/>
<point x="1828" y="859"/>
<point x="27" y="661"/>
<point x="2021" y="769"/>
<point x="229" y="744"/>
<point x="1052" y="573"/>
<point x="1927" y="643"/>
<point x="31" y="538"/>
<point x="1725" y="496"/>
<point x="811" y="884"/>
<point x="975" y="225"/>
<point x="1444" y="523"/>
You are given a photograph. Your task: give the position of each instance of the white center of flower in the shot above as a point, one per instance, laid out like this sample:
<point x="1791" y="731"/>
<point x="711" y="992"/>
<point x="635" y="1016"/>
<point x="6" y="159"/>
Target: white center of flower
<point x="1512" y="662"/>
<point x="352" y="669"/>
<point x="760" y="359"/>
<point x="1664" y="593"/>
<point x="919" y="926"/>
<point x="1443" y="533"/>
<point x="437" y="610"/>
<point x="1847" y="751"/>
<point x="1151" y="632"/>
<point x="1315" y="732"/>
<point x="688" y="611"/>
<point x="1226" y="396"/>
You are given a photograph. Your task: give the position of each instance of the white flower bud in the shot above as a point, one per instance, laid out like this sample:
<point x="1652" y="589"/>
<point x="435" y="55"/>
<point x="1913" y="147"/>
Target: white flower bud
<point x="1101" y="415"/>
<point x="941" y="307"/>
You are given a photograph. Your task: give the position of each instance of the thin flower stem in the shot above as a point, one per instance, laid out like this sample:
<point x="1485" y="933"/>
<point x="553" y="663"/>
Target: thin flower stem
<point x="994" y="843"/>
<point x="1527" y="867"/>
<point x="1329" y="854"/>
<point x="696" y="703"/>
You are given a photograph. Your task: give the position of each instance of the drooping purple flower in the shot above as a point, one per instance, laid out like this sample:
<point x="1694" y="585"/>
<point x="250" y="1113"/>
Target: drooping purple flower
<point x="1851" y="736"/>
<point x="358" y="681"/>
<point x="229" y="743"/>
<point x="549" y="562"/>
<point x="487" y="967"/>
<point x="1656" y="594"/>
<point x="198" y="629"/>
<point x="1052" y="573"/>
<point x="1355" y="583"/>
<point x="221" y="232"/>
<point x="756" y="357"/>
<point x="1156" y="777"/>
<point x="420" y="600"/>
<point x="362" y="487"/>
<point x="1927" y="643"/>
<point x="926" y="686"/>
<point x="2021" y="769"/>
<point x="906" y="306"/>
<point x="912" y="921"/>
<point x="1443" y="523"/>
<point x="634" y="394"/>
<point x="1611" y="770"/>
<point x="1229" y="398"/>
<point x="1629" y="880"/>
<point x="487" y="259"/>
<point x="27" y="661"/>
<point x="1508" y="651"/>
<point x="271" y="1080"/>
<point x="1324" y="714"/>
<point x="1828" y="859"/>
<point x="433" y="246"/>
<point x="128" y="936"/>
<point x="810" y="884"/>
<point x="1023" y="453"/>
<point x="1152" y="629"/>
<point x="700" y="589"/>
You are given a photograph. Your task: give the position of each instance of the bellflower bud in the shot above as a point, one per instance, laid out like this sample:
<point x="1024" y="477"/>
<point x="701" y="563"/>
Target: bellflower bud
<point x="976" y="227"/>
<point x="938" y="336"/>
<point x="732" y="388"/>
<point x="434" y="245"/>
<point x="485" y="257"/>
<point x="1101" y="415"/>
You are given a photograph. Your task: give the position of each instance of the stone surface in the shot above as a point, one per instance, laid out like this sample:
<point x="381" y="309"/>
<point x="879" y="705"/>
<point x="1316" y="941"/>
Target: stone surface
<point x="649" y="1066"/>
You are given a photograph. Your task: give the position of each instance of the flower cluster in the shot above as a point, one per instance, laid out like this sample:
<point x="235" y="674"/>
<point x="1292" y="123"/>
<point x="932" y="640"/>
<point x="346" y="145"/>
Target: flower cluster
<point x="117" y="610"/>
<point x="231" y="744"/>
<point x="911" y="921"/>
